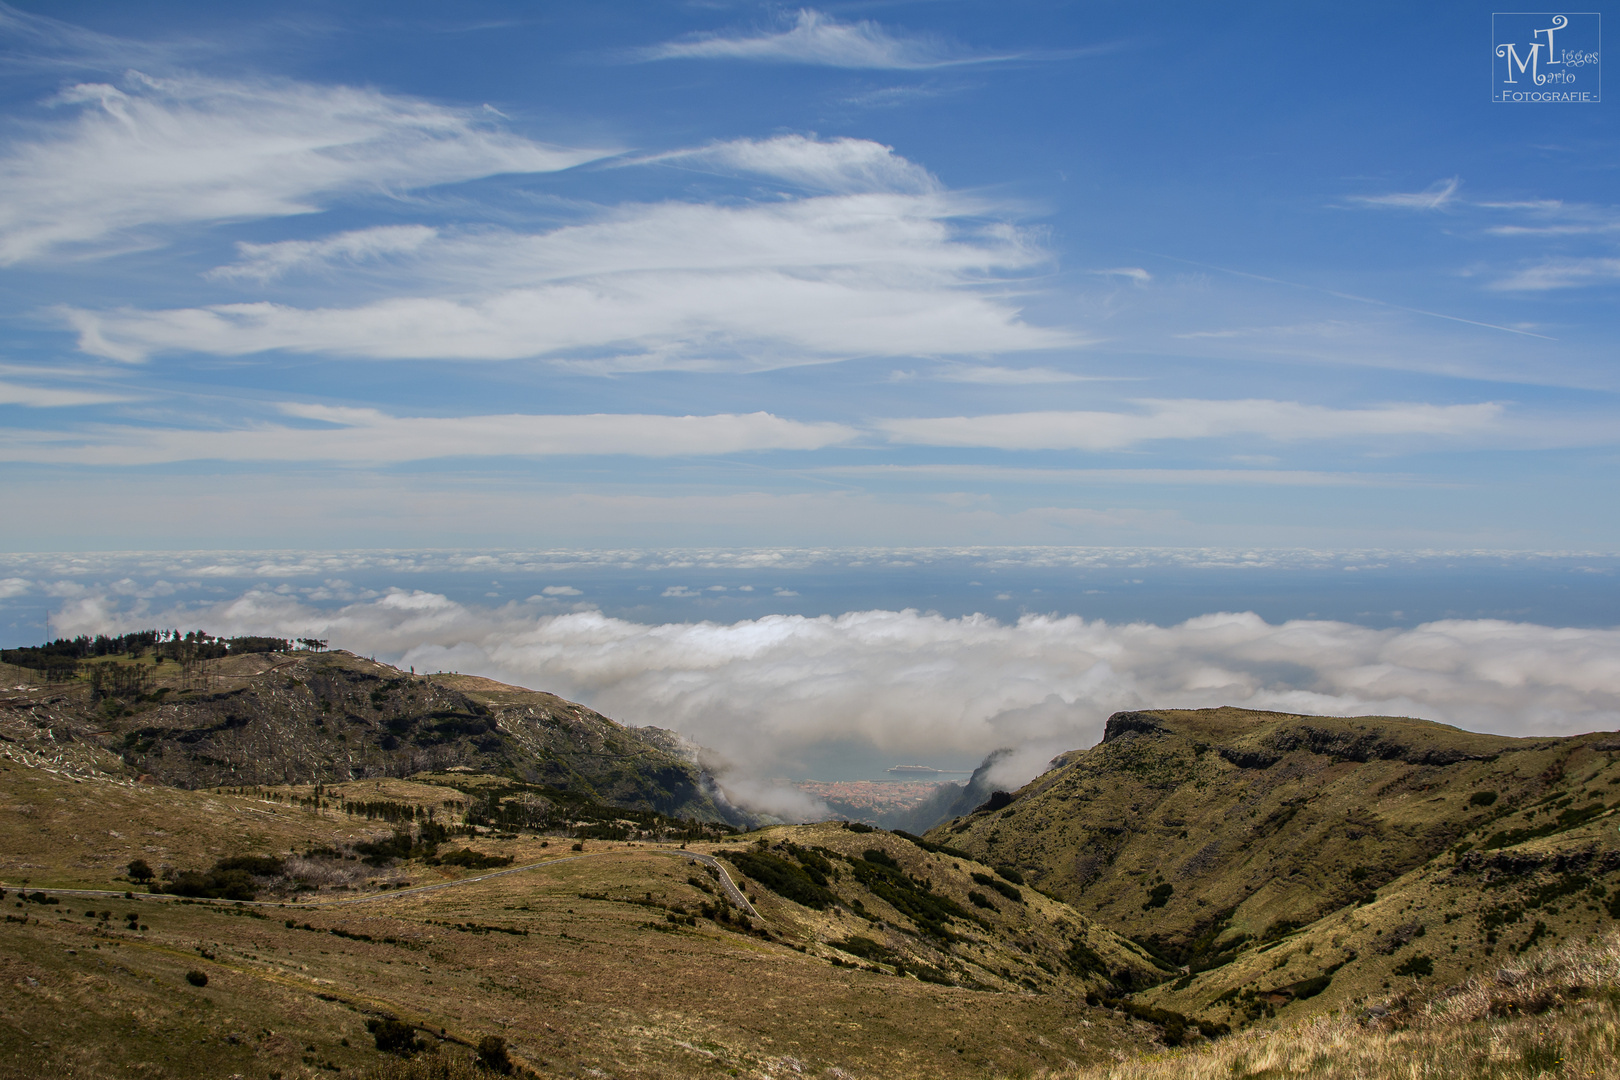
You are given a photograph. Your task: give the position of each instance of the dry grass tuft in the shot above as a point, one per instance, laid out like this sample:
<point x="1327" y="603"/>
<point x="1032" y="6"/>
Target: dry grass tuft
<point x="428" y="1067"/>
<point x="1558" y="1015"/>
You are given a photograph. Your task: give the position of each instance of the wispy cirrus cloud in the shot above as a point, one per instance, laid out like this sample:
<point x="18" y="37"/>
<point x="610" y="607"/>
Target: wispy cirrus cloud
<point x="1436" y="196"/>
<point x="1000" y="474"/>
<point x="838" y="165"/>
<point x="896" y="267"/>
<point x="1525" y="219"/>
<point x="262" y="262"/>
<point x="53" y="397"/>
<point x="994" y="375"/>
<point x="174" y="151"/>
<point x="816" y="38"/>
<point x="1191" y="419"/>
<point x="1565" y="273"/>
<point x="369" y="437"/>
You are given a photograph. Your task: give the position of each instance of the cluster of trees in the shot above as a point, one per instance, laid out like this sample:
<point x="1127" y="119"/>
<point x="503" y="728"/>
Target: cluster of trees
<point x="230" y="879"/>
<point x="59" y="659"/>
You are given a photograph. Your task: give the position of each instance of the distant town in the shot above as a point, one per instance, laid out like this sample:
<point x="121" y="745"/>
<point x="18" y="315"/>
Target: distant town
<point x="863" y="799"/>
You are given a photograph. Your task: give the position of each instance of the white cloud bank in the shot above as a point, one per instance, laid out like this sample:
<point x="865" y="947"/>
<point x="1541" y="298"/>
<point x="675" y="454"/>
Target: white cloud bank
<point x="186" y="150"/>
<point x="916" y="685"/>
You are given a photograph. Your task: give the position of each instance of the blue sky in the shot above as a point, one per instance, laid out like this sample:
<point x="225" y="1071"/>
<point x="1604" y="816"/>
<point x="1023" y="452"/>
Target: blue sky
<point x="390" y="275"/>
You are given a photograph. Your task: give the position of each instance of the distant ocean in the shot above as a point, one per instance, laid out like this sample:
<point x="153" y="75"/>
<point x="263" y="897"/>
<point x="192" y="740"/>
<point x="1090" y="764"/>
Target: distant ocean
<point x="1369" y="588"/>
<point x="835" y="664"/>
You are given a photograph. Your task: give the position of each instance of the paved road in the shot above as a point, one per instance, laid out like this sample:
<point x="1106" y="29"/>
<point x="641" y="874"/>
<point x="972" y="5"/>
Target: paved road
<point x="734" y="894"/>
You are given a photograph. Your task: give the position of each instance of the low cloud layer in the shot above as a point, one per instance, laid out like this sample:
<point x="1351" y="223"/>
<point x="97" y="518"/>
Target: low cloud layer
<point x="768" y="692"/>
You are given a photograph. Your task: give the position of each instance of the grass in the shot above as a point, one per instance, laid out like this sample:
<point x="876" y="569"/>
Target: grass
<point x="1268" y="852"/>
<point x="590" y="973"/>
<point x="1556" y="1015"/>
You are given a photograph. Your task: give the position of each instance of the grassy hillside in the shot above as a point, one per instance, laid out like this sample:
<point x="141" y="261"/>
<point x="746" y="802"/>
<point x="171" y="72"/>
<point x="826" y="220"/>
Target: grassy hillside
<point x="1188" y="829"/>
<point x="1345" y="894"/>
<point x="622" y="957"/>
<point x="277" y="718"/>
<point x="1289" y="865"/>
<point x="1556" y="1013"/>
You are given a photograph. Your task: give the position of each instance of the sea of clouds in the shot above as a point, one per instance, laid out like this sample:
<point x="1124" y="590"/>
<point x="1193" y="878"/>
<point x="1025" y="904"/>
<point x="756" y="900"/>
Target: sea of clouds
<point x="765" y="693"/>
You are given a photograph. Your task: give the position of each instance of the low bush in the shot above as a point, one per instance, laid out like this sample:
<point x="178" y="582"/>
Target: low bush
<point x="471" y="860"/>
<point x="1000" y="886"/>
<point x="865" y="948"/>
<point x="196" y="978"/>
<point x="394" y="1037"/>
<point x="788" y="880"/>
<point x="492" y="1055"/>
<point x="1416" y="965"/>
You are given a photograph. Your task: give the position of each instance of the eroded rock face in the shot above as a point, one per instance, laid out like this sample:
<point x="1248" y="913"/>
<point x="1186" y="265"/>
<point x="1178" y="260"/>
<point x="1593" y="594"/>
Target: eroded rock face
<point x="327" y="717"/>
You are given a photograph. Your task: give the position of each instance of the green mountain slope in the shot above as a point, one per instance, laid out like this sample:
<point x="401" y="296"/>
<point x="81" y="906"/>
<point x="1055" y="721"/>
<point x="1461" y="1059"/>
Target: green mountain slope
<point x="277" y="718"/>
<point x="1205" y="833"/>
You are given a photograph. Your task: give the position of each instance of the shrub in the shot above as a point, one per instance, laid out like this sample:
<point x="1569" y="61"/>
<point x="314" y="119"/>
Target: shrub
<point x="1416" y="965"/>
<point x="139" y="871"/>
<point x="928" y="845"/>
<point x="1159" y="895"/>
<point x="882" y="858"/>
<point x="1000" y="886"/>
<point x="1011" y="874"/>
<point x="492" y="1054"/>
<point x="787" y="879"/>
<point x="196" y="978"/>
<point x="214" y="885"/>
<point x="257" y="865"/>
<point x="912" y="898"/>
<point x="864" y="947"/>
<point x="1482" y="798"/>
<point x="394" y="1037"/>
<point x="579" y="847"/>
<point x="978" y="899"/>
<point x="1083" y="959"/>
<point x="472" y="860"/>
<point x="997" y="800"/>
